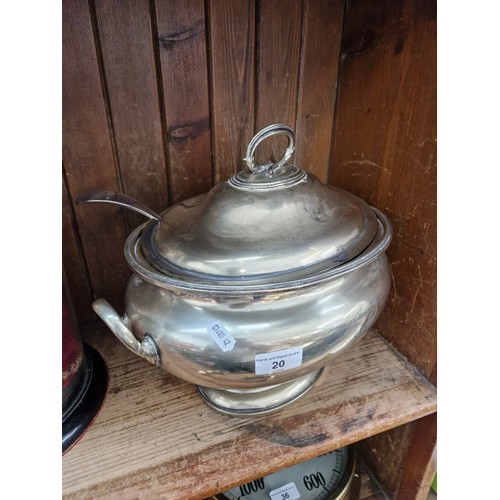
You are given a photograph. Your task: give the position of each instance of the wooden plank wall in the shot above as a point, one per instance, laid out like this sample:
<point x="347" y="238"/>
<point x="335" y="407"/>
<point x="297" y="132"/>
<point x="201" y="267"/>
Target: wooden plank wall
<point x="384" y="150"/>
<point x="160" y="99"/>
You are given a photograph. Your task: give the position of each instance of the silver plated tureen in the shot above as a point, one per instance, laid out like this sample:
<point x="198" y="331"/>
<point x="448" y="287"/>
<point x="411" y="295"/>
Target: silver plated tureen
<point x="249" y="290"/>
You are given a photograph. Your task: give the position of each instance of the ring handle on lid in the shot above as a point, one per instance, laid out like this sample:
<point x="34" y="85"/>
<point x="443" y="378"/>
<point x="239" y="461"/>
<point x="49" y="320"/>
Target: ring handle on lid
<point x="276" y="128"/>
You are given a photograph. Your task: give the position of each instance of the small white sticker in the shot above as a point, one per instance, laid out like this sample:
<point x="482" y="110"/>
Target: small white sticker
<point x="221" y="336"/>
<point x="287" y="492"/>
<point x="277" y="361"/>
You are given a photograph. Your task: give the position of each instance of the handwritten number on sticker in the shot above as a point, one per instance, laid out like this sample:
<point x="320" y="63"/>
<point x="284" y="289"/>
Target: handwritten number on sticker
<point x="221" y="336"/>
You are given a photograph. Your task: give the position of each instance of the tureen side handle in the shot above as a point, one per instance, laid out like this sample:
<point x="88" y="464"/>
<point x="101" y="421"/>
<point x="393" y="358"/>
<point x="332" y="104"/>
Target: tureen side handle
<point x="146" y="348"/>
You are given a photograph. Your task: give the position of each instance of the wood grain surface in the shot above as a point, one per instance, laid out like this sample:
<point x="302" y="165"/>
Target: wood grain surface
<point x="181" y="46"/>
<point x="89" y="159"/>
<point x="232" y="77"/>
<point x="278" y="65"/>
<point x="323" y="21"/>
<point x="155" y="438"/>
<point x="78" y="284"/>
<point x="128" y="60"/>
<point x="385" y="152"/>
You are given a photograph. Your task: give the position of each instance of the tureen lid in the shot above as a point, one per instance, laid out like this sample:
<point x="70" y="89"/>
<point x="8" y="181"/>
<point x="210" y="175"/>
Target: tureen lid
<point x="269" y="221"/>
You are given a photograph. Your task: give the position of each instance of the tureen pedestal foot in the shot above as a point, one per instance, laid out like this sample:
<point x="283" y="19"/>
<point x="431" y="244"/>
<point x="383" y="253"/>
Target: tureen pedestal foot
<point x="250" y="402"/>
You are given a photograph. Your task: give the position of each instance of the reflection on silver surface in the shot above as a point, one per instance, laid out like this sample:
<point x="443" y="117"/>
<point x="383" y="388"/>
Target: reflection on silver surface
<point x="242" y="234"/>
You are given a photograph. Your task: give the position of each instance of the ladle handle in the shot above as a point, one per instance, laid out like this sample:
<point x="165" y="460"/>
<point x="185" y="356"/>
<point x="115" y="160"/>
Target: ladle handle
<point x="275" y="128"/>
<point x="119" y="199"/>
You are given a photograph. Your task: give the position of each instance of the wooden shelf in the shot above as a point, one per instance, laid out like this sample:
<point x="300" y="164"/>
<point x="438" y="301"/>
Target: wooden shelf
<point x="156" y="438"/>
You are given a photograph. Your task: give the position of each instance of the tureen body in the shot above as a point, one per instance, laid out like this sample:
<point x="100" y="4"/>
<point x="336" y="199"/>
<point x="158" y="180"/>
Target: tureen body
<point x="322" y="320"/>
<point x="250" y="290"/>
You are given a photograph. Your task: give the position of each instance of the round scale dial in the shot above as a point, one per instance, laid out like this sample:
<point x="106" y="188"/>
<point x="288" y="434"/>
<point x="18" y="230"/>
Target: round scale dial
<point x="326" y="477"/>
